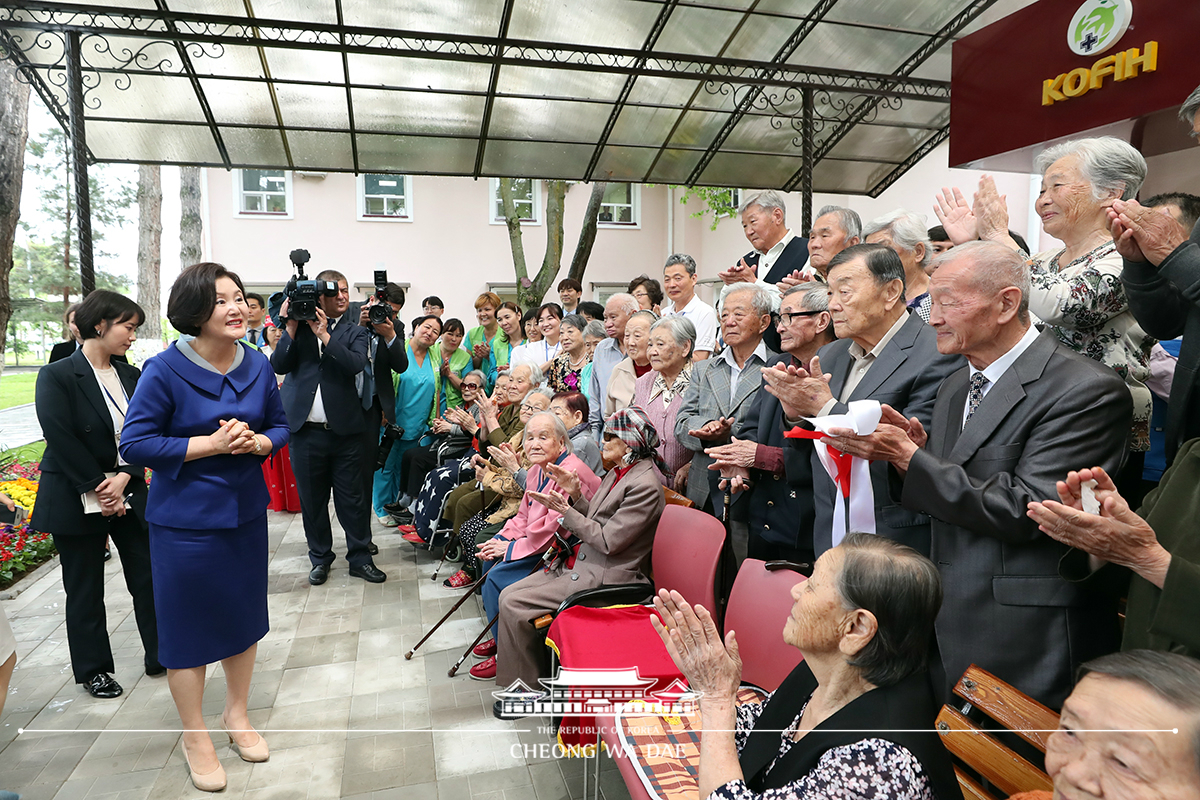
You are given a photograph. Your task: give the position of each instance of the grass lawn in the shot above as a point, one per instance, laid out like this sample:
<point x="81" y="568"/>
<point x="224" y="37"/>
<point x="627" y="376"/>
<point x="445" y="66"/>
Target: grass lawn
<point x="29" y="453"/>
<point x="17" y="388"/>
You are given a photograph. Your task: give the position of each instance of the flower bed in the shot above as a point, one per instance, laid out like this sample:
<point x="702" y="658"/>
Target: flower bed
<point x="21" y="549"/>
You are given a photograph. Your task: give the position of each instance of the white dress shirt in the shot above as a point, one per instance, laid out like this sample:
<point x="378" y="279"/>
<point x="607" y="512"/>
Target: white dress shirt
<point x="703" y="316"/>
<point x="995" y="370"/>
<point x="735" y="372"/>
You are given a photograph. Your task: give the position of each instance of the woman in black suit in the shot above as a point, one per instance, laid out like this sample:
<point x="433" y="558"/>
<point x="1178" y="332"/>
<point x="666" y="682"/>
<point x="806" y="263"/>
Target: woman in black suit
<point x="65" y="349"/>
<point x="87" y="494"/>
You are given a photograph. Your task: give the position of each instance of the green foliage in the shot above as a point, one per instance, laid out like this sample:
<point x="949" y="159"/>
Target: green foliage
<point x="718" y="202"/>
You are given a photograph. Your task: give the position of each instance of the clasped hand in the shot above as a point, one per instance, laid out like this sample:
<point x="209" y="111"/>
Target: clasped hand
<point x="733" y="461"/>
<point x="111" y="493"/>
<point x="493" y="549"/>
<point x="894" y="440"/>
<point x="233" y="437"/>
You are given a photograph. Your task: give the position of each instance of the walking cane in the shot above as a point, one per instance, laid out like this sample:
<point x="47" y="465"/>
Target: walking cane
<point x="470" y="591"/>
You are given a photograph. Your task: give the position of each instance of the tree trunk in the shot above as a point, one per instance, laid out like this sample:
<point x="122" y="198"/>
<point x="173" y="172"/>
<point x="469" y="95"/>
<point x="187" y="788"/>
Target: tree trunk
<point x="556" y="192"/>
<point x="190" y="224"/>
<point x="587" y="236"/>
<point x="149" y="200"/>
<point x="14" y="130"/>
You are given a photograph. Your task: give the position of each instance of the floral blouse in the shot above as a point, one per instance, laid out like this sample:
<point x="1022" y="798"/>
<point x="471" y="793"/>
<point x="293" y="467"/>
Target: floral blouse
<point x="869" y="769"/>
<point x="562" y="378"/>
<point x="1085" y="306"/>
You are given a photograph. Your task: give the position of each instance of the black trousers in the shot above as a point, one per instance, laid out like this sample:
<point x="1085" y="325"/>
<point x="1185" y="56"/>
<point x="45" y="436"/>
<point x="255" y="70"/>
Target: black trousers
<point x="82" y="560"/>
<point x="323" y="461"/>
<point x="370" y="459"/>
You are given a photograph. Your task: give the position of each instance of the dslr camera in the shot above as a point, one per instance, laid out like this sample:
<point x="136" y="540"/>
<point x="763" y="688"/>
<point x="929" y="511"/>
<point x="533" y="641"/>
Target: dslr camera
<point x="391" y="434"/>
<point x="303" y="294"/>
<point x="381" y="312"/>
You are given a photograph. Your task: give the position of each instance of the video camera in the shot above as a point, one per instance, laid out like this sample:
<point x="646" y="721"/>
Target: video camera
<point x="303" y="294"/>
<point x="381" y="312"/>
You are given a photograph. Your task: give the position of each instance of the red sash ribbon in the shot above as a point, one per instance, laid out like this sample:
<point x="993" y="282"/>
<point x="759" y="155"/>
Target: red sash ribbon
<point x="843" y="460"/>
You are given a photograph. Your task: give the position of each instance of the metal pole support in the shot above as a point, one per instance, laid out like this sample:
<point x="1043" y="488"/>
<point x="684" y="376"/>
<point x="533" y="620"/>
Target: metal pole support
<point x="806" y="169"/>
<point x="83" y="205"/>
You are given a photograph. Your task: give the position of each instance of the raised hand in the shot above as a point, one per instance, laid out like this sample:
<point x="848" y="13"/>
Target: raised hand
<point x="738" y="453"/>
<point x="505" y="456"/>
<point x="991" y="212"/>
<point x="714" y="429"/>
<point x="711" y="665"/>
<point x="956" y="216"/>
<point x="567" y="481"/>
<point x="551" y="500"/>
<point x="1122" y="237"/>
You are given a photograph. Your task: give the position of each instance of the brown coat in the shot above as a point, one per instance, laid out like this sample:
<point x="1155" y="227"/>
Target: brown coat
<point x="617" y="528"/>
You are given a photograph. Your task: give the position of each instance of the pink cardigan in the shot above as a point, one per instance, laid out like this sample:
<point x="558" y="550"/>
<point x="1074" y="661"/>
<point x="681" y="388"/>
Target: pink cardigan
<point x="533" y="528"/>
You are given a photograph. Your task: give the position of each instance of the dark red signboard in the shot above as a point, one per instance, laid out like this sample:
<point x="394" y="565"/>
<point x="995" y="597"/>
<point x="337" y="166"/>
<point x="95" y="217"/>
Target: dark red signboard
<point x="998" y="74"/>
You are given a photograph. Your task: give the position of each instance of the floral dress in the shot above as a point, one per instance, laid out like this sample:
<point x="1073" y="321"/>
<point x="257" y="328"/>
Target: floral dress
<point x="562" y="378"/>
<point x="1085" y="306"/>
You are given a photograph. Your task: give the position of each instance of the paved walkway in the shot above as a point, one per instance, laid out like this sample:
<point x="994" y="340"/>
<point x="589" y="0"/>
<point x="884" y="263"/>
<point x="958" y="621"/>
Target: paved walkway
<point x="346" y="716"/>
<point x="19" y="426"/>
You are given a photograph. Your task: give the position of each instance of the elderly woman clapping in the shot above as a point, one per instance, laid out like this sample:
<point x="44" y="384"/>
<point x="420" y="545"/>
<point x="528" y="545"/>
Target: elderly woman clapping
<point x="513" y="553"/>
<point x="857" y="712"/>
<point x="660" y="392"/>
<point x="1077" y="288"/>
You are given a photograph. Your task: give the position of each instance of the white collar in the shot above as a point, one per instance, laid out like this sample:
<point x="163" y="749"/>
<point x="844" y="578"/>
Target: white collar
<point x="997" y="368"/>
<point x="760" y="351"/>
<point x="779" y="246"/>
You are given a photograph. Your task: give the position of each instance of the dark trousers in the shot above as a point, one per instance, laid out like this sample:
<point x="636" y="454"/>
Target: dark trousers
<point x="323" y="461"/>
<point x="370" y="459"/>
<point x="82" y="559"/>
<point x="415" y="465"/>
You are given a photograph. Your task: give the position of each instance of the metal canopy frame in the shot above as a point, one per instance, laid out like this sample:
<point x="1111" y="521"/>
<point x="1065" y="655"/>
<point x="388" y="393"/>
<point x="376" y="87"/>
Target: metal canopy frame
<point x="714" y="113"/>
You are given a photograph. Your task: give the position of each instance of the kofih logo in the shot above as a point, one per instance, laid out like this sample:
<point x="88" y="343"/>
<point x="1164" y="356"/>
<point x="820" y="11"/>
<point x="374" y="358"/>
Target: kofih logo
<point x="1097" y="25"/>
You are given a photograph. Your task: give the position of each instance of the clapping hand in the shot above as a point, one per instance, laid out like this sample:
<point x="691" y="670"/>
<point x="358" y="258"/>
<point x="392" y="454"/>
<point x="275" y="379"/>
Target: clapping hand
<point x="551" y="500"/>
<point x="714" y="429"/>
<point x="440" y="426"/>
<point x="795" y="279"/>
<point x="991" y="212"/>
<point x="567" y="481"/>
<point x="1154" y="233"/>
<point x="956" y="216"/>
<point x="711" y="665"/>
<point x="505" y="456"/>
<point x="740" y="272"/>
<point x="802" y="392"/>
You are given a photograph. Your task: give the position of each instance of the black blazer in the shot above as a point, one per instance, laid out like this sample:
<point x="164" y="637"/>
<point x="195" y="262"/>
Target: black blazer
<point x="903" y="714"/>
<point x="791" y="259"/>
<point x="65" y="349"/>
<point x="80" y="446"/>
<point x="306" y="366"/>
<point x="387" y="360"/>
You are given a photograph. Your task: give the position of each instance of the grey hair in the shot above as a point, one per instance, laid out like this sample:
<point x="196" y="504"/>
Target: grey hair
<point x="1187" y="111"/>
<point x="544" y="391"/>
<point x="767" y="200"/>
<point x="996" y="267"/>
<point x="687" y="261"/>
<point x="560" y="430"/>
<point x="760" y="299"/>
<point x="535" y="370"/>
<point x="1172" y="676"/>
<point x="681" y="329"/>
<point x="848" y="220"/>
<point x="576" y="321"/>
<point x="645" y="313"/>
<point x="480" y="374"/>
<point x="907" y="229"/>
<point x="1106" y="162"/>
<point x="814" y="297"/>
<point x="902" y="589"/>
<point x="628" y="303"/>
<point x="595" y="329"/>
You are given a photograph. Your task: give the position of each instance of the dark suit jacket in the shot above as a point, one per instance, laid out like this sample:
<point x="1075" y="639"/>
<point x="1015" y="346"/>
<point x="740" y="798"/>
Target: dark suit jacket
<point x="905" y="376"/>
<point x="781" y="512"/>
<point x="791" y="259"/>
<point x="1165" y="301"/>
<point x="305" y="366"/>
<point x="387" y="360"/>
<point x="80" y="446"/>
<point x="1006" y="608"/>
<point x="65" y="349"/>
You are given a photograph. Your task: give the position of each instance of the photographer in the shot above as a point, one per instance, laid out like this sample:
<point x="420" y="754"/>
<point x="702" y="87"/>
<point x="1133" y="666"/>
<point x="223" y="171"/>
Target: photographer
<point x="321" y="359"/>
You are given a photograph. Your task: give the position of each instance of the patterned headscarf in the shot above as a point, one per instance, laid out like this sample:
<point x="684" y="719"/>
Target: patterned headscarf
<point x="634" y="428"/>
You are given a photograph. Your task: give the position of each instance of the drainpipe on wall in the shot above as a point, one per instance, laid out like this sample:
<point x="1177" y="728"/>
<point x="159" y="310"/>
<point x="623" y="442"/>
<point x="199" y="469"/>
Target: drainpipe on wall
<point x="670" y="221"/>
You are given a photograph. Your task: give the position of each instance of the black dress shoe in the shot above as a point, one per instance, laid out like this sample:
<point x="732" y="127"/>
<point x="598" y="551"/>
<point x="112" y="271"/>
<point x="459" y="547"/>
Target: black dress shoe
<point x="369" y="573"/>
<point x="373" y="549"/>
<point x="319" y="574"/>
<point x="102" y="685"/>
<point x="404" y="517"/>
<point x="393" y="508"/>
<point x="156" y="670"/>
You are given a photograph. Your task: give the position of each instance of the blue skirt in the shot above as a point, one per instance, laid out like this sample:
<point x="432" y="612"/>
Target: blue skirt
<point x="210" y="591"/>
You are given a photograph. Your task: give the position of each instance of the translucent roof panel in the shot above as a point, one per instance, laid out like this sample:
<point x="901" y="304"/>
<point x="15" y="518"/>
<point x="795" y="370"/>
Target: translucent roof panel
<point x="147" y="98"/>
<point x="255" y="146"/>
<point x="925" y="16"/>
<point x="535" y="159"/>
<point x="561" y="83"/>
<point x="417" y="112"/>
<point x="153" y="142"/>
<point x="552" y="120"/>
<point x="625" y="163"/>
<point x="643" y="125"/>
<point x="848" y="48"/>
<point x="313" y="106"/>
<point x="425" y="155"/>
<point x="462" y="17"/>
<point x="418" y="73"/>
<point x="622" y="24"/>
<point x="852" y="177"/>
<point x="751" y="172"/>
<point x="239" y="102"/>
<point x="319" y="150"/>
<point x="674" y="166"/>
<point x="699" y="30"/>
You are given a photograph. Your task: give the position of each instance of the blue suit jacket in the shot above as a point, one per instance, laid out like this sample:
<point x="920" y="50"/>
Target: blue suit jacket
<point x="334" y="369"/>
<point x="175" y="400"/>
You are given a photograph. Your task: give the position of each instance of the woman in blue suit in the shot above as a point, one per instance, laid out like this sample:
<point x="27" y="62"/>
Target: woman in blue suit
<point x="205" y="414"/>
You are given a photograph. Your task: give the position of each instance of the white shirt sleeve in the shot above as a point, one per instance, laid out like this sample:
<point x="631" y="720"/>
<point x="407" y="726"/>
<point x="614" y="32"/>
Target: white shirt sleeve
<point x="705" y="320"/>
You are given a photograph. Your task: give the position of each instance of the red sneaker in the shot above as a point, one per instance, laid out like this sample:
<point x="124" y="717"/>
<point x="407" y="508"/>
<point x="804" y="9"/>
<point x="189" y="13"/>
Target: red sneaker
<point x="485" y="649"/>
<point x="485" y="670"/>
<point x="459" y="580"/>
<point x="406" y="528"/>
<point x="413" y="537"/>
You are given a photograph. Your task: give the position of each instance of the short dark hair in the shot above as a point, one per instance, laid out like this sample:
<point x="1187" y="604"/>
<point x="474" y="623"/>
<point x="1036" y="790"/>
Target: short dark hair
<point x="433" y="300"/>
<point x="903" y="590"/>
<point x="1189" y="205"/>
<point x="590" y="309"/>
<point x="576" y="401"/>
<point x="553" y="308"/>
<point x="194" y="296"/>
<point x="653" y="288"/>
<point x="882" y="262"/>
<point x="938" y="234"/>
<point x="569" y="283"/>
<point x="510" y="306"/>
<point x="1172" y="676"/>
<point x="394" y="293"/>
<point x="257" y="297"/>
<point x="416" y="323"/>
<point x="103" y="306"/>
<point x="530" y="316"/>
<point x="452" y="324"/>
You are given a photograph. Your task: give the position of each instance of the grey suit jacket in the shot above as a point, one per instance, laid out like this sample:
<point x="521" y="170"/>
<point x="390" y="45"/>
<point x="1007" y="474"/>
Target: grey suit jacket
<point x="1005" y="607"/>
<point x="905" y="376"/>
<point x="707" y="399"/>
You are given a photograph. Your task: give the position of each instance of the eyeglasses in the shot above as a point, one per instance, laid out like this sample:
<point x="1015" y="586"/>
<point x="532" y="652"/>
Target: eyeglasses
<point x="466" y="385"/>
<point x="528" y="407"/>
<point x="786" y="318"/>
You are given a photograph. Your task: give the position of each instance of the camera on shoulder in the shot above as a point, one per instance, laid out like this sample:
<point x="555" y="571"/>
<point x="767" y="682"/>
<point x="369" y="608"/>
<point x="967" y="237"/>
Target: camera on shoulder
<point x="304" y="294"/>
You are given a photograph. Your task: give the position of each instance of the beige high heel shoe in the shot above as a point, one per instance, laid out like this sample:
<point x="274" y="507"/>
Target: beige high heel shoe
<point x="255" y="753"/>
<point x="213" y="781"/>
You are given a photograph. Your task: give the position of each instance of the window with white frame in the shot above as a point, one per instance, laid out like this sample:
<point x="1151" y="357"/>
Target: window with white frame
<point x="526" y="198"/>
<point x="387" y="197"/>
<point x="619" y="208"/>
<point x="264" y="191"/>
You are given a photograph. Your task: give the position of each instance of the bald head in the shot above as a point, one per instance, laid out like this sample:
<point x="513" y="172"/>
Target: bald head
<point x="979" y="297"/>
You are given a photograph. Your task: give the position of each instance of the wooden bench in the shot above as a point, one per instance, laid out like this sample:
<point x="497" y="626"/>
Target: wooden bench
<point x="986" y="768"/>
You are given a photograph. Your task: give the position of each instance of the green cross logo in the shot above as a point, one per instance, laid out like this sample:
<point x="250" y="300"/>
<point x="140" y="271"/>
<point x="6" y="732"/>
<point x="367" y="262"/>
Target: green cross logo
<point x="1097" y="25"/>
